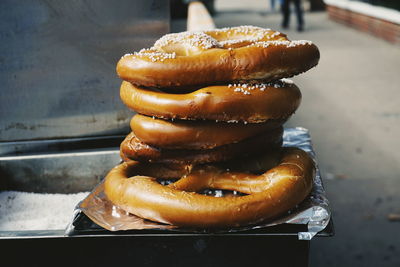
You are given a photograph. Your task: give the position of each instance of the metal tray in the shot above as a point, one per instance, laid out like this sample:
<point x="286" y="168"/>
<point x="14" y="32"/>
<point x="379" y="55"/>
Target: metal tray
<point x="98" y="161"/>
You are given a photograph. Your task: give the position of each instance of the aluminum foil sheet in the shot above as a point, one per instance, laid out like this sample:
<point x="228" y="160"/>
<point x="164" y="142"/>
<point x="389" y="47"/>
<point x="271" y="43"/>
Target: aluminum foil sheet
<point x="313" y="212"/>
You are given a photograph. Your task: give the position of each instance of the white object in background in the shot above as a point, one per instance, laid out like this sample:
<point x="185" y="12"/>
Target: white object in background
<point x="198" y="17"/>
<point x="378" y="12"/>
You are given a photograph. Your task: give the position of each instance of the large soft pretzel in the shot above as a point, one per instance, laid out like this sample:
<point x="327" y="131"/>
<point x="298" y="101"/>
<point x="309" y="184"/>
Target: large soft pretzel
<point x="248" y="102"/>
<point x="134" y="149"/>
<point x="215" y="56"/>
<point x="267" y="195"/>
<point x="194" y="134"/>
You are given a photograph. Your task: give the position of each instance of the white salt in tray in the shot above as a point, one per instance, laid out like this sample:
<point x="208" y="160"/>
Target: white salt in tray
<point x="22" y="211"/>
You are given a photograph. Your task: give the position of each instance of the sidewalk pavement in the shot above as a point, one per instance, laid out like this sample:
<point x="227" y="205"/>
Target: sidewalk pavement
<point x="351" y="105"/>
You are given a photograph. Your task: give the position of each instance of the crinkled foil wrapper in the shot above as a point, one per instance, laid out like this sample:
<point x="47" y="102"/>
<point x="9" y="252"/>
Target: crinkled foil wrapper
<point x="314" y="211"/>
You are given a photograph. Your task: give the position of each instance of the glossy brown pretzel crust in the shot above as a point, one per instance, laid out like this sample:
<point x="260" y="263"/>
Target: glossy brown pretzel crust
<point x="179" y="134"/>
<point x="267" y="195"/>
<point x="222" y="55"/>
<point x="236" y="102"/>
<point x="133" y="149"/>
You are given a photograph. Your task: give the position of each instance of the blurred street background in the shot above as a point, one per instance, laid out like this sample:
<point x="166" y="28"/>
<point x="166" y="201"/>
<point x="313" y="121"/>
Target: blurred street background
<point x="60" y="99"/>
<point x="351" y="105"/>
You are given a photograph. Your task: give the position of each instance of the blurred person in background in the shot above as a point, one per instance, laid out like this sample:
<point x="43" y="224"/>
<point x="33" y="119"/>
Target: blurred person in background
<point x="286" y="14"/>
<point x="272" y="5"/>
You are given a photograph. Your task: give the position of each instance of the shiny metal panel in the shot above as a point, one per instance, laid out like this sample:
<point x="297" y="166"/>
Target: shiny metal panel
<point x="57" y="64"/>
<point x="78" y="166"/>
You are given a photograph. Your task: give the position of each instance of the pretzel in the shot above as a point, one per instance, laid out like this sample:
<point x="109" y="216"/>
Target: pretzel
<point x="133" y="149"/>
<point x="194" y="134"/>
<point x="266" y="196"/>
<point x="249" y="102"/>
<point x="217" y="56"/>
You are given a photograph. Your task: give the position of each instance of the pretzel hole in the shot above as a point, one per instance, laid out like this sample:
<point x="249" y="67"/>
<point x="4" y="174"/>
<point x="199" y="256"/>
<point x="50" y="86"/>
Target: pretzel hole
<point x="234" y="40"/>
<point x="221" y="193"/>
<point x="207" y="191"/>
<point x="181" y="49"/>
<point x="162" y="172"/>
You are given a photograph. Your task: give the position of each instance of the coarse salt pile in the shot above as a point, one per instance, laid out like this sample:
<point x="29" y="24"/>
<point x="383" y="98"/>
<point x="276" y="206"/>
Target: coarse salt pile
<point x="21" y="211"/>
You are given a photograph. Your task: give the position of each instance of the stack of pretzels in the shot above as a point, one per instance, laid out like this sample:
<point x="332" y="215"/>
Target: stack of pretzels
<point x="206" y="143"/>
